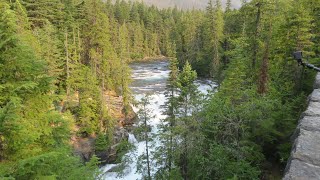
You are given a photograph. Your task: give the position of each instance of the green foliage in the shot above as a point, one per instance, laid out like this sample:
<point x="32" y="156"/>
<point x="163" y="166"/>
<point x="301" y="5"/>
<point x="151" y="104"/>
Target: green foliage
<point x="177" y="138"/>
<point x="123" y="147"/>
<point x="33" y="136"/>
<point x="54" y="165"/>
<point x="221" y="163"/>
<point x="102" y="142"/>
<point x="144" y="165"/>
<point x="89" y="102"/>
<point x="165" y="154"/>
<point x="72" y="51"/>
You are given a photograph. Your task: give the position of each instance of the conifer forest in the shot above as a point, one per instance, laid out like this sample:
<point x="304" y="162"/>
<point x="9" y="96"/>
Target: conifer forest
<point x="116" y="89"/>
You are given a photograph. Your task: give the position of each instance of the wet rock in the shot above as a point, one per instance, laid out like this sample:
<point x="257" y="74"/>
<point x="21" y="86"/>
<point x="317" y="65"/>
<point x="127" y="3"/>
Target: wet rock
<point x="84" y="147"/>
<point x="120" y="134"/>
<point x="115" y="169"/>
<point x="130" y="119"/>
<point x="103" y="157"/>
<point x="112" y="153"/>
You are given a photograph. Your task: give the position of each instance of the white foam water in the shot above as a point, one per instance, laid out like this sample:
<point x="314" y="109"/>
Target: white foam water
<point x="148" y="75"/>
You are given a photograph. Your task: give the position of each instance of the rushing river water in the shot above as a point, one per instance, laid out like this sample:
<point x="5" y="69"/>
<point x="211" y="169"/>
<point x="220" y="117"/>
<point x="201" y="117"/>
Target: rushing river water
<point x="148" y="78"/>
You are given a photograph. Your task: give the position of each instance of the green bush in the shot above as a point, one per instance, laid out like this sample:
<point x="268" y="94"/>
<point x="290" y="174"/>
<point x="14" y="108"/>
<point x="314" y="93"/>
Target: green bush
<point x="122" y="149"/>
<point x="102" y="142"/>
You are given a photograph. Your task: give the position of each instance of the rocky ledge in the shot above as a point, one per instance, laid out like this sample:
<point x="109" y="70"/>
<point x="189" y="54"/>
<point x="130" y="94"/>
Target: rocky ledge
<point x="304" y="162"/>
<point x="85" y="147"/>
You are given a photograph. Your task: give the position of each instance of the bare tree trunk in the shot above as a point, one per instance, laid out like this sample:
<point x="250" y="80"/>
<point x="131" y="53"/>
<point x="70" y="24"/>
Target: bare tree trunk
<point x="185" y="145"/>
<point x="79" y="45"/>
<point x="172" y="124"/>
<point x="147" y="141"/>
<point x="102" y="104"/>
<point x="256" y="34"/>
<point x="67" y="64"/>
<point x="263" y="78"/>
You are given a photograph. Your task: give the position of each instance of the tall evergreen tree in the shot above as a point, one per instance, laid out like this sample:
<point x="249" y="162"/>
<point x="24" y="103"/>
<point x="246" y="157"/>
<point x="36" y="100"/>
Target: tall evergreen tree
<point x="187" y="96"/>
<point x="144" y="163"/>
<point x="168" y="127"/>
<point x="34" y="137"/>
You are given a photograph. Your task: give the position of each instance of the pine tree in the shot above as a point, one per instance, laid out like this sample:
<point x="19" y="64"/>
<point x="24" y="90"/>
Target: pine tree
<point x="218" y="37"/>
<point x="137" y="49"/>
<point x="144" y="161"/>
<point x="214" y="33"/>
<point x="41" y="11"/>
<point x="187" y="97"/>
<point x="168" y="127"/>
<point x="134" y="13"/>
<point x="34" y="137"/>
<point x="20" y="85"/>
<point x="124" y="71"/>
<point x="50" y="51"/>
<point x="295" y="35"/>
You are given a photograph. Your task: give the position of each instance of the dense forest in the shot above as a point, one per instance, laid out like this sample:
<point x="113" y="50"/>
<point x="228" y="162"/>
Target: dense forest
<point x="187" y="4"/>
<point x="58" y="58"/>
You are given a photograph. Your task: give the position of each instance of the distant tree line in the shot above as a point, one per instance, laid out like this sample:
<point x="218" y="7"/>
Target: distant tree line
<point x="59" y="57"/>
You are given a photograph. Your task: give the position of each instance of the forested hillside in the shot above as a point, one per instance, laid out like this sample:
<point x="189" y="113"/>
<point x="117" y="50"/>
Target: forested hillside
<point x="60" y="59"/>
<point x="187" y="4"/>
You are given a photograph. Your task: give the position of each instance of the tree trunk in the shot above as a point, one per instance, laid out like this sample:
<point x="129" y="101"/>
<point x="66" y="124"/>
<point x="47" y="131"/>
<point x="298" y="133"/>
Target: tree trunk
<point x="147" y="141"/>
<point x="263" y="78"/>
<point x="172" y="124"/>
<point x="256" y="34"/>
<point x="102" y="104"/>
<point x="67" y="64"/>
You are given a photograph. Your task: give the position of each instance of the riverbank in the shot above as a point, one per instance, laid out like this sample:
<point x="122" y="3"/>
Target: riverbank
<point x="148" y="78"/>
<point x="150" y="59"/>
<point x="93" y="144"/>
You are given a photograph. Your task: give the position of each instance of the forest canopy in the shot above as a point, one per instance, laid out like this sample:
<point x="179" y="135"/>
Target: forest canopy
<point x="58" y="58"/>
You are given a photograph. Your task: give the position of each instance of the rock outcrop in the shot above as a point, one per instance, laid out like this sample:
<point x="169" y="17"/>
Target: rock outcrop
<point x="304" y="162"/>
<point x="110" y="155"/>
<point x="84" y="147"/>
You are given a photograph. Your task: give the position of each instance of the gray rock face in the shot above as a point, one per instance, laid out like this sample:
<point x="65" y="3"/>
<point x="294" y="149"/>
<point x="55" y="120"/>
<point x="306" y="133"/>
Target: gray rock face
<point x="315" y="96"/>
<point x="317" y="82"/>
<point x="310" y="123"/>
<point x="302" y="171"/>
<point x="120" y="134"/>
<point x="313" y="109"/>
<point x="307" y="147"/>
<point x="304" y="162"/>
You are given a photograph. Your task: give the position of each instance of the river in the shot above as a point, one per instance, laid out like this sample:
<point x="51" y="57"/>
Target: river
<point x="148" y="78"/>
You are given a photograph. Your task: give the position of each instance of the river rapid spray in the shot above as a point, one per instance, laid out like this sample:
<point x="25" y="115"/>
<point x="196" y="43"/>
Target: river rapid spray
<point x="148" y="78"/>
